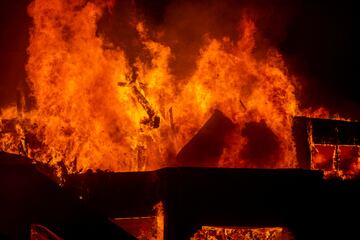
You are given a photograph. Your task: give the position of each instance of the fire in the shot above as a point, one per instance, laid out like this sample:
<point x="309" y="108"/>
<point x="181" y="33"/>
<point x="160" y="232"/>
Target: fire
<point x="96" y="109"/>
<point x="245" y="233"/>
<point x="160" y="223"/>
<point x="326" y="156"/>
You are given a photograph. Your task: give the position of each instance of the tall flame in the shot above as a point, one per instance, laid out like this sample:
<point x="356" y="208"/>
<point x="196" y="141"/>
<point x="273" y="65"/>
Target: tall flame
<point x="90" y="97"/>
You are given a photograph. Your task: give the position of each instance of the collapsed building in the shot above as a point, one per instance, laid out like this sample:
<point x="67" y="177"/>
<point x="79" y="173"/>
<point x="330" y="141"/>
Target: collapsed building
<point x="193" y="200"/>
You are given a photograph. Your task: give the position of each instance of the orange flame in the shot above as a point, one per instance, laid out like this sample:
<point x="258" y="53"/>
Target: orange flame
<point x="84" y="116"/>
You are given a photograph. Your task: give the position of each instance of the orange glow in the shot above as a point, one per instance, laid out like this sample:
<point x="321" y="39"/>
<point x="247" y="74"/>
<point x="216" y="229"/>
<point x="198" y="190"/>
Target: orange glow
<point x="324" y="157"/>
<point x="95" y="109"/>
<point x="246" y="233"/>
<point x="160" y="220"/>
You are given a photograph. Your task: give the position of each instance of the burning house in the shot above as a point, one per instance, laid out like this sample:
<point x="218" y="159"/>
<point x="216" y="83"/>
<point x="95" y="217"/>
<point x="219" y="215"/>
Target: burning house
<point x="130" y="129"/>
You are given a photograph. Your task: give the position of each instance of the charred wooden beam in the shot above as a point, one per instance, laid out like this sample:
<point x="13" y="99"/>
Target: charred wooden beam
<point x="153" y="120"/>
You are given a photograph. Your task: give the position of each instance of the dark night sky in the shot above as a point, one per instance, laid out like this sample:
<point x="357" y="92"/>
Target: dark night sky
<point x="318" y="40"/>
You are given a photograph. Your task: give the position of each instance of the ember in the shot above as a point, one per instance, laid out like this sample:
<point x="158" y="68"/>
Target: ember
<point x="228" y="233"/>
